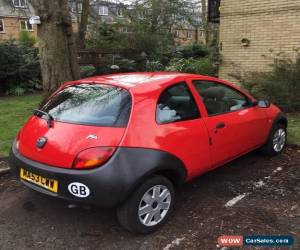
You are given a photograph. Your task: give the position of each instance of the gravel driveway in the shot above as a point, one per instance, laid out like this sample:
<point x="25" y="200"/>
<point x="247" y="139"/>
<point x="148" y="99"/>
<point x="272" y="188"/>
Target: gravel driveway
<point x="254" y="195"/>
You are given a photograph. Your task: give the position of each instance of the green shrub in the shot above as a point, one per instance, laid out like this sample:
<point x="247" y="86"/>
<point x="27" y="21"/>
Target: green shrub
<point x="203" y="66"/>
<point x="26" y="39"/>
<point x="152" y="66"/>
<point x="126" y="65"/>
<point x="281" y="85"/>
<point x="196" y="50"/>
<point x="19" y="68"/>
<point x="87" y="71"/>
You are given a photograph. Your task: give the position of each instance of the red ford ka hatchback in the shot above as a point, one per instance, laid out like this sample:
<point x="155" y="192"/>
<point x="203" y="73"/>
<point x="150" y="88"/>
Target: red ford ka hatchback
<point x="127" y="140"/>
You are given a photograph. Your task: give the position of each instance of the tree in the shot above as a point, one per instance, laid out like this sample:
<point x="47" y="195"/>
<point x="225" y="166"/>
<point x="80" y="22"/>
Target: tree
<point x="157" y="15"/>
<point x="58" y="54"/>
<point x="82" y="9"/>
<point x="204" y="19"/>
<point x="152" y="24"/>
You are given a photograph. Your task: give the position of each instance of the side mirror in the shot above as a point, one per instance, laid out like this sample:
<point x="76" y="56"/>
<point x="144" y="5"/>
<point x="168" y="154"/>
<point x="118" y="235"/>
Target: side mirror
<point x="263" y="104"/>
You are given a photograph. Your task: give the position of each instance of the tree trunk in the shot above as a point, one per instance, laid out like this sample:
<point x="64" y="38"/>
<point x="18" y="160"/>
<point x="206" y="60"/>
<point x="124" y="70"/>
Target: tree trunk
<point x="56" y="43"/>
<point x="204" y="20"/>
<point x="83" y="23"/>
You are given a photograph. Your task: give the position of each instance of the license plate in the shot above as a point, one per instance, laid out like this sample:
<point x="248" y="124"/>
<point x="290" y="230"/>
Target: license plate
<point x="47" y="183"/>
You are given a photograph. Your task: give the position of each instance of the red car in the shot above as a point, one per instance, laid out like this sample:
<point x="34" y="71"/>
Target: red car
<point x="126" y="140"/>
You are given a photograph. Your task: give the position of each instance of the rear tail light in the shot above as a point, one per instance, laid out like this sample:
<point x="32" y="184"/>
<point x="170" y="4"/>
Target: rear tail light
<point x="18" y="140"/>
<point x="93" y="157"/>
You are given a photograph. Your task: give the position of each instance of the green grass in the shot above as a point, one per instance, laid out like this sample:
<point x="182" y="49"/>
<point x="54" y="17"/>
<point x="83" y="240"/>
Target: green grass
<point x="294" y="129"/>
<point x="14" y="111"/>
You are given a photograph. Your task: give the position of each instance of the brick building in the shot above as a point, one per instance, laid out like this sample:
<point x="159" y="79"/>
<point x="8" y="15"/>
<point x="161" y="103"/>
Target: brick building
<point x="15" y="14"/>
<point x="251" y="32"/>
<point x="14" y="17"/>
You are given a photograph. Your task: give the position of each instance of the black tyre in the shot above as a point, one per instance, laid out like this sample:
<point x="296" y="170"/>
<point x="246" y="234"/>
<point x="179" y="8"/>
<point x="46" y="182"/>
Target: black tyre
<point x="276" y="141"/>
<point x="149" y="206"/>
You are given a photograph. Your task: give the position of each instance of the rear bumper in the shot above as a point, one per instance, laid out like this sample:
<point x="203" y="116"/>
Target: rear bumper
<point x="102" y="182"/>
<point x="109" y="184"/>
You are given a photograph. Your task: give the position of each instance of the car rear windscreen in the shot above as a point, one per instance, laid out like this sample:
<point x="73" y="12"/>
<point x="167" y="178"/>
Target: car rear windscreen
<point x="90" y="104"/>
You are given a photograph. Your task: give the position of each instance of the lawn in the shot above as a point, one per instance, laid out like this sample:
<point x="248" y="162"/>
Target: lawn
<point x="294" y="129"/>
<point x="15" y="110"/>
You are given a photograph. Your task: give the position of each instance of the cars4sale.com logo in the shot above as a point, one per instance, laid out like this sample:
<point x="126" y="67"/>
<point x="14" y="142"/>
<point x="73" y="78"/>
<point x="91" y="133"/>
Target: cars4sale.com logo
<point x="238" y="241"/>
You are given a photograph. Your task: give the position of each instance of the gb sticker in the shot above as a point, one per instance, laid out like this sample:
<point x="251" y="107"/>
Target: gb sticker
<point x="79" y="189"/>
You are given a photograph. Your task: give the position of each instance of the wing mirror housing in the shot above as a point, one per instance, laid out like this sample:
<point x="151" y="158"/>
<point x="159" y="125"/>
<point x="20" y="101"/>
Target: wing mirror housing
<point x="261" y="103"/>
<point x="264" y="104"/>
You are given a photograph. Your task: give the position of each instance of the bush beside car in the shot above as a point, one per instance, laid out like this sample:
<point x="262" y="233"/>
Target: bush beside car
<point x="19" y="68"/>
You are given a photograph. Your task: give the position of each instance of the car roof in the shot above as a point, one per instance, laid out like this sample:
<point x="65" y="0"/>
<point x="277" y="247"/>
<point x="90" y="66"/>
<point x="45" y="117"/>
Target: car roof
<point x="144" y="82"/>
<point x="141" y="81"/>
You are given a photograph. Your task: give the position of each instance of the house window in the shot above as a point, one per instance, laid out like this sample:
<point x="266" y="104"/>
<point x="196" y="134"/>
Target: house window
<point x="177" y="33"/>
<point x="189" y="34"/>
<point x="124" y="29"/>
<point x="20" y="3"/>
<point x="76" y="7"/>
<point x="120" y="12"/>
<point x="2" y="26"/>
<point x="103" y="10"/>
<point x="25" y="25"/>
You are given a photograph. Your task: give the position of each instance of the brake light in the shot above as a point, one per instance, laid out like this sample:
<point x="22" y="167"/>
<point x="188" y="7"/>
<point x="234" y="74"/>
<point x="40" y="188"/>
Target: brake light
<point x="93" y="157"/>
<point x="18" y="140"/>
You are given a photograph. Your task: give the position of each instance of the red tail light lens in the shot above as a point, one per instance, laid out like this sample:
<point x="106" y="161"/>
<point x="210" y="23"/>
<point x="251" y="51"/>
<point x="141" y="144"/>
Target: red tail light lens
<point x="18" y="140"/>
<point x="93" y="157"/>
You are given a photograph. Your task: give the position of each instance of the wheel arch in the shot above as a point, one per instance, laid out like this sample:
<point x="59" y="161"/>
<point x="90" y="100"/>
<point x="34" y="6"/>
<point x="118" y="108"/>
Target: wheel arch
<point x="169" y="167"/>
<point x="280" y="119"/>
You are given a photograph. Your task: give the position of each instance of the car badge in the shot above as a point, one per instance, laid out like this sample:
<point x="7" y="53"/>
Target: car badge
<point x="41" y="142"/>
<point x="92" y="137"/>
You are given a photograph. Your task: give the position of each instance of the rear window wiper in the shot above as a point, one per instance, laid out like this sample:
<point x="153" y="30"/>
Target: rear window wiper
<point x="49" y="118"/>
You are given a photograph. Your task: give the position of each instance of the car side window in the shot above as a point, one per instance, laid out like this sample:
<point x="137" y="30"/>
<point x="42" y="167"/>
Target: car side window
<point x="219" y="98"/>
<point x="176" y="103"/>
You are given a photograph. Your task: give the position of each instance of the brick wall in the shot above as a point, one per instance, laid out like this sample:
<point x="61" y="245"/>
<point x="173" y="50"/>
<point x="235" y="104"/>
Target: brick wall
<point x="12" y="28"/>
<point x="272" y="26"/>
<point x="183" y="39"/>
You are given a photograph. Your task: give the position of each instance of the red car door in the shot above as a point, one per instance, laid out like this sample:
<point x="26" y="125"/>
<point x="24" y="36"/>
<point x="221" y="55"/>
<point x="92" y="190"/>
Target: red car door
<point x="235" y="126"/>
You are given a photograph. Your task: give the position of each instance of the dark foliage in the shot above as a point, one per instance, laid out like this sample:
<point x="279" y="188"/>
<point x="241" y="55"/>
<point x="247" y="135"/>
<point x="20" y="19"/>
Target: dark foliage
<point x="281" y="85"/>
<point x="19" y="68"/>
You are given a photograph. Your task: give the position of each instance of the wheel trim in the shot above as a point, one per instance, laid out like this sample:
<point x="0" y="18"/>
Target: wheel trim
<point x="154" y="205"/>
<point x="279" y="140"/>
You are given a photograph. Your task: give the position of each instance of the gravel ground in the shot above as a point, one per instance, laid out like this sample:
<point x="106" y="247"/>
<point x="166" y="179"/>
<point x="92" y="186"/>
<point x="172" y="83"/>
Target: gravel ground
<point x="254" y="195"/>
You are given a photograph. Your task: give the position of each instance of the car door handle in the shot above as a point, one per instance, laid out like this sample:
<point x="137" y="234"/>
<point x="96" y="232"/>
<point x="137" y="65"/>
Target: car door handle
<point x="220" y="125"/>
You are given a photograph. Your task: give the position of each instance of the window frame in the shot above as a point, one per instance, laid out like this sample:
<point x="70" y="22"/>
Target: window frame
<point x="2" y="21"/>
<point x="183" y="82"/>
<point x="226" y="86"/>
<point x="124" y="29"/>
<point x="19" y="5"/>
<point x="76" y="8"/>
<point x="120" y="12"/>
<point x="26" y="25"/>
<point x="102" y="12"/>
<point x="189" y="34"/>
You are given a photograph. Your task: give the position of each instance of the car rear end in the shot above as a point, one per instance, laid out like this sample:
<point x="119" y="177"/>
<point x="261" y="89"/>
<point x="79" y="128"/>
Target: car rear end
<point x="67" y="147"/>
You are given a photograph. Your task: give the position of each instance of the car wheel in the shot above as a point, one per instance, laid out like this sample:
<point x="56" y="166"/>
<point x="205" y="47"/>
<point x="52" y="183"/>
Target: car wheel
<point x="149" y="206"/>
<point x="276" y="141"/>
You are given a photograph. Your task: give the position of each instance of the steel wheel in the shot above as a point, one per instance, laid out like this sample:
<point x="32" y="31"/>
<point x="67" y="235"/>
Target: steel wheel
<point x="279" y="140"/>
<point x="154" y="205"/>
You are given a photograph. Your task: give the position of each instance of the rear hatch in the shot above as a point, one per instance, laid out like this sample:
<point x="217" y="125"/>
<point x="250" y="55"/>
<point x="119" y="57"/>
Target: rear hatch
<point x="84" y="116"/>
